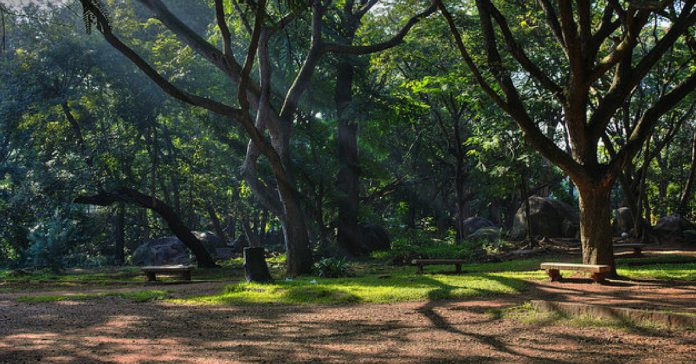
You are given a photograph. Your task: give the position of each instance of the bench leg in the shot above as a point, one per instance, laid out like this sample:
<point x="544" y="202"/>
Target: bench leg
<point x="598" y="277"/>
<point x="554" y="275"/>
<point x="638" y="252"/>
<point x="151" y="276"/>
<point x="458" y="268"/>
<point x="187" y="275"/>
<point x="419" y="269"/>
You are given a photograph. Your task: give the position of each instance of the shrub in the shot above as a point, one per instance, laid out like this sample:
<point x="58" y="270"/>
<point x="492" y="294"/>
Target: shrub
<point x="332" y="268"/>
<point x="49" y="241"/>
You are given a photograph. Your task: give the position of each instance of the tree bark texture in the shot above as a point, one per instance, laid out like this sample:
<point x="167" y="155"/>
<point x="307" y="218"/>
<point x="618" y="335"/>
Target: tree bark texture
<point x="595" y="224"/>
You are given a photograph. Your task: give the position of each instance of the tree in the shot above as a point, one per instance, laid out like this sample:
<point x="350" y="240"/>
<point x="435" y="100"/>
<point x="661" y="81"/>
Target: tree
<point x="279" y="195"/>
<point x="598" y="41"/>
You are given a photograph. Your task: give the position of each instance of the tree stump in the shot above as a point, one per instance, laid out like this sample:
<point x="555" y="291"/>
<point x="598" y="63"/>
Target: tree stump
<point x="255" y="267"/>
<point x="554" y="275"/>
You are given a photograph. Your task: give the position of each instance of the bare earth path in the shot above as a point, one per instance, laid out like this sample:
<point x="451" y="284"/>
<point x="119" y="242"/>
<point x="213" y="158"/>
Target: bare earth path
<point x="117" y="330"/>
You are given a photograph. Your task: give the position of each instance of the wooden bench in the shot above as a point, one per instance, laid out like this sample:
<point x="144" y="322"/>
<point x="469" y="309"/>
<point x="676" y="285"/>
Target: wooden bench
<point x="419" y="263"/>
<point x="152" y="271"/>
<point x="599" y="272"/>
<point x="637" y="247"/>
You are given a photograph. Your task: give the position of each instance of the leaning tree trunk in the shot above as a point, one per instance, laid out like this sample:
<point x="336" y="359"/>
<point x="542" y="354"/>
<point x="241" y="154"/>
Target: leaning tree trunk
<point x="595" y="225"/>
<point x="175" y="224"/>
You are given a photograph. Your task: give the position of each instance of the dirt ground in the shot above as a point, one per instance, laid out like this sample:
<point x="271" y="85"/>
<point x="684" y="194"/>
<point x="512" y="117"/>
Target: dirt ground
<point x="114" y="330"/>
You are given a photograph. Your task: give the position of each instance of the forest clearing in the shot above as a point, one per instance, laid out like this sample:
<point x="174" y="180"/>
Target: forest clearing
<point x="347" y="181"/>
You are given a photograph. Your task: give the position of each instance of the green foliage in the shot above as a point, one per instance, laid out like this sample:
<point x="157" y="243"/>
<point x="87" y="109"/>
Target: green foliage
<point x="418" y="244"/>
<point x="50" y="240"/>
<point x="332" y="267"/>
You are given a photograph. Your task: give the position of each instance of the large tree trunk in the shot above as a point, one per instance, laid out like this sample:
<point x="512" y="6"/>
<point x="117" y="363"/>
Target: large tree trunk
<point x="299" y="253"/>
<point x="595" y="224"/>
<point x="175" y="224"/>
<point x="347" y="180"/>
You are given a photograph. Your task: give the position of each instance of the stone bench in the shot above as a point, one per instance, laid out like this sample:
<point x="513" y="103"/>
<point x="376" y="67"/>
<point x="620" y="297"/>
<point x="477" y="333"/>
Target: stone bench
<point x="599" y="272"/>
<point x="419" y="263"/>
<point x="183" y="270"/>
<point x="637" y="247"/>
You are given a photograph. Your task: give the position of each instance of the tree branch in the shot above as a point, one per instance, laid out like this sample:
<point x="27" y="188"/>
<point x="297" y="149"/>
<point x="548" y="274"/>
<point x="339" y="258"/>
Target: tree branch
<point x="392" y="42"/>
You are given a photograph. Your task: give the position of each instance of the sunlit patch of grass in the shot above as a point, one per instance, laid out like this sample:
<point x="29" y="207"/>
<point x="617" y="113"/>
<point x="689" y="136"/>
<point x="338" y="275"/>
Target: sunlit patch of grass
<point x="678" y="271"/>
<point x="394" y="287"/>
<point x="137" y="296"/>
<point x="656" y="259"/>
<point x="527" y="314"/>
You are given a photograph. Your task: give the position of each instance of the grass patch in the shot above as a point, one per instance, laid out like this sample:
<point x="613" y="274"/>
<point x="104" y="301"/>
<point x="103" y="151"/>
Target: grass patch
<point x="531" y="316"/>
<point x="105" y="276"/>
<point x="400" y="285"/>
<point x="656" y="259"/>
<point x="136" y="296"/>
<point x="677" y="271"/>
<point x="72" y="275"/>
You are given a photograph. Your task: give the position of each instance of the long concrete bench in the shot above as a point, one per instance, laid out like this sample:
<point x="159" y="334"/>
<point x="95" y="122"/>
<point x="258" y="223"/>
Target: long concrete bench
<point x="152" y="271"/>
<point x="599" y="272"/>
<point x="419" y="263"/>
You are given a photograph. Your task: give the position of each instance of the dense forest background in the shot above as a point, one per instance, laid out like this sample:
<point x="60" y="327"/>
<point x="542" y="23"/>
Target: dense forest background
<point x="95" y="158"/>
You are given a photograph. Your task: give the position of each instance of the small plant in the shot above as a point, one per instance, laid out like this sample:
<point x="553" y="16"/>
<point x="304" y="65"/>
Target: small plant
<point x="332" y="268"/>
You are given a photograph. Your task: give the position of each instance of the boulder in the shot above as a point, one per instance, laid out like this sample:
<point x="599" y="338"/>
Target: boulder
<point x="210" y="240"/>
<point x="672" y="227"/>
<point x="374" y="238"/>
<point x="472" y="224"/>
<point x="549" y="217"/>
<point x="162" y="251"/>
<point x="623" y="221"/>
<point x="485" y="233"/>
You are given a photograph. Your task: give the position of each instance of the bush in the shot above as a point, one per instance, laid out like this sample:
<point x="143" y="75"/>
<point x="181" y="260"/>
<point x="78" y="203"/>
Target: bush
<point x="332" y="268"/>
<point x="433" y="248"/>
<point x="49" y="241"/>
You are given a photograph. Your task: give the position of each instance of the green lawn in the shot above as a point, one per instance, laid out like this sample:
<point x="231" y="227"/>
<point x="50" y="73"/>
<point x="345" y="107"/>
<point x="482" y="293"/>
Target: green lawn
<point x="383" y="284"/>
<point x="105" y="276"/>
<point x="372" y="281"/>
<point x="137" y="296"/>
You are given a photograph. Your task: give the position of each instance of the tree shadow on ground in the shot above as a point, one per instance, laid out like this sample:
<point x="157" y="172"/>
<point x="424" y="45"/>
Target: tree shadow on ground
<point x="113" y="329"/>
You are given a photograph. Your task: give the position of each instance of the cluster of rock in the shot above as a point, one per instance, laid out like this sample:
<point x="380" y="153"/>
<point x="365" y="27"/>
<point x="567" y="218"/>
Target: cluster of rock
<point x="169" y="250"/>
<point x="671" y="228"/>
<point x="675" y="228"/>
<point x="548" y="217"/>
<point x="162" y="251"/>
